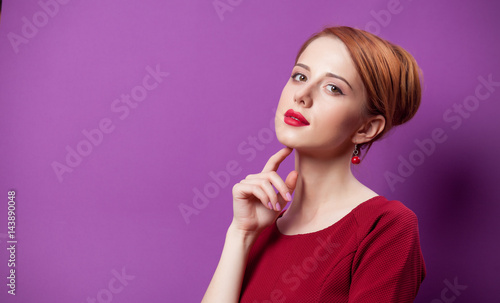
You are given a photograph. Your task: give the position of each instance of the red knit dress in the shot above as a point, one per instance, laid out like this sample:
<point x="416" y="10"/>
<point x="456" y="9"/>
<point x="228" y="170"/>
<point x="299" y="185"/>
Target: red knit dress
<point x="371" y="255"/>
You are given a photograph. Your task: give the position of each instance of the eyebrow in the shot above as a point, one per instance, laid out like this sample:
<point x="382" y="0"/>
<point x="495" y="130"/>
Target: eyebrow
<point x="327" y="74"/>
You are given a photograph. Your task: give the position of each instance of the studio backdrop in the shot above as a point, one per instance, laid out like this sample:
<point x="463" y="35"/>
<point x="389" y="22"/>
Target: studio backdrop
<point x="125" y="124"/>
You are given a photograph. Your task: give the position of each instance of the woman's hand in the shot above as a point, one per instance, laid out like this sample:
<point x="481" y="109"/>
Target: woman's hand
<point x="256" y="204"/>
<point x="251" y="215"/>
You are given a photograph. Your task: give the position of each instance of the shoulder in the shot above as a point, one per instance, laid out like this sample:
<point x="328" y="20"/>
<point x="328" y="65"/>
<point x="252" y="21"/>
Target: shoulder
<point x="379" y="212"/>
<point x="380" y="206"/>
<point x="388" y="264"/>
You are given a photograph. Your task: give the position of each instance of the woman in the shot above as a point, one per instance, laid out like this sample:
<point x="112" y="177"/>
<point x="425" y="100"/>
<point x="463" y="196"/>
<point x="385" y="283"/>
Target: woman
<point x="338" y="241"/>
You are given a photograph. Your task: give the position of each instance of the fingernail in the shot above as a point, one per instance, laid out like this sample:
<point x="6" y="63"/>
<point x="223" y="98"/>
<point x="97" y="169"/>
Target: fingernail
<point x="278" y="207"/>
<point x="288" y="197"/>
<point x="270" y="205"/>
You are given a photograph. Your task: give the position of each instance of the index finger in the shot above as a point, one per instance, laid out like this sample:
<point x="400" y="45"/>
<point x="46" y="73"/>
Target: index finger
<point x="274" y="162"/>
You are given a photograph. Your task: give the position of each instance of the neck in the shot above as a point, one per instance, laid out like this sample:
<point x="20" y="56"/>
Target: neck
<point x="323" y="184"/>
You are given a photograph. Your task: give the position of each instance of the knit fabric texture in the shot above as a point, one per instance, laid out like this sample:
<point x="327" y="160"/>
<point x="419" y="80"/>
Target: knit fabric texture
<point x="371" y="255"/>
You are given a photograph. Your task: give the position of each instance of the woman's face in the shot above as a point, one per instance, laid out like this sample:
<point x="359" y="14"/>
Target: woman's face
<point x="327" y="91"/>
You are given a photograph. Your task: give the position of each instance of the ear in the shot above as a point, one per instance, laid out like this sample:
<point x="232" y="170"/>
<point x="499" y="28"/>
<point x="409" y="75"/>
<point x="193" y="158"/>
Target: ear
<point x="370" y="129"/>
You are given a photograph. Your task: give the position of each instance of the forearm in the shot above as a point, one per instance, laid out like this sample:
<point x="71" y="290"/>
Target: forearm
<point x="225" y="285"/>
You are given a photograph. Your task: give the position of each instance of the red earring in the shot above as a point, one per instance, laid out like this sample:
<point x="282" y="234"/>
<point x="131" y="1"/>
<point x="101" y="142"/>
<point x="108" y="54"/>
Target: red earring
<point x="355" y="159"/>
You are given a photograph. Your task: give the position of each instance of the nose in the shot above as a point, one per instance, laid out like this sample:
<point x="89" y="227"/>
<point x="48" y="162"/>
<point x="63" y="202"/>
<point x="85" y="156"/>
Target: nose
<point x="303" y="95"/>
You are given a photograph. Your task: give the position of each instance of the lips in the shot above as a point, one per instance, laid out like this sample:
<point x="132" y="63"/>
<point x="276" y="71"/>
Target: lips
<point x="294" y="118"/>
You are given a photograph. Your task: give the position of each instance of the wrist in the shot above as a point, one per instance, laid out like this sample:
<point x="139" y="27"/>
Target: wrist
<point x="246" y="238"/>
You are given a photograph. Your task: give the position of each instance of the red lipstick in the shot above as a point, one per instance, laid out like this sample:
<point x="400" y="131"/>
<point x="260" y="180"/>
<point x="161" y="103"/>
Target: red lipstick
<point x="294" y="118"/>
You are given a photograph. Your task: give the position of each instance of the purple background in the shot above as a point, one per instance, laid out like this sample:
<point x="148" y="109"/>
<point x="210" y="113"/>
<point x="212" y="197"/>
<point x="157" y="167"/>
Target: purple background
<point x="119" y="208"/>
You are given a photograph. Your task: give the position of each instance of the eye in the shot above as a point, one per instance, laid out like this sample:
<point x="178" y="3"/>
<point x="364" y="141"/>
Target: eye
<point x="334" y="89"/>
<point x="299" y="77"/>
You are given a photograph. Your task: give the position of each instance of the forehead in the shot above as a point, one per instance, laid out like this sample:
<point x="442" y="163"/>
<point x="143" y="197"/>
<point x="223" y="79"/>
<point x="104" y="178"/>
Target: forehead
<point x="329" y="54"/>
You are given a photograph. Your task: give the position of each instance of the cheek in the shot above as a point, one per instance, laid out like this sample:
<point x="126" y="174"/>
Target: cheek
<point x="338" y="120"/>
<point x="280" y="111"/>
<point x="286" y="94"/>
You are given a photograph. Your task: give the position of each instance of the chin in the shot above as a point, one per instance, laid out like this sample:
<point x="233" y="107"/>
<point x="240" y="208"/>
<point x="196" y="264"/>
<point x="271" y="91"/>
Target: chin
<point x="305" y="145"/>
<point x="290" y="140"/>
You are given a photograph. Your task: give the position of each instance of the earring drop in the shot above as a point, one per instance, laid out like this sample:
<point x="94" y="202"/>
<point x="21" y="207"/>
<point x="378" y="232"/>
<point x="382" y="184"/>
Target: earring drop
<point x="355" y="159"/>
